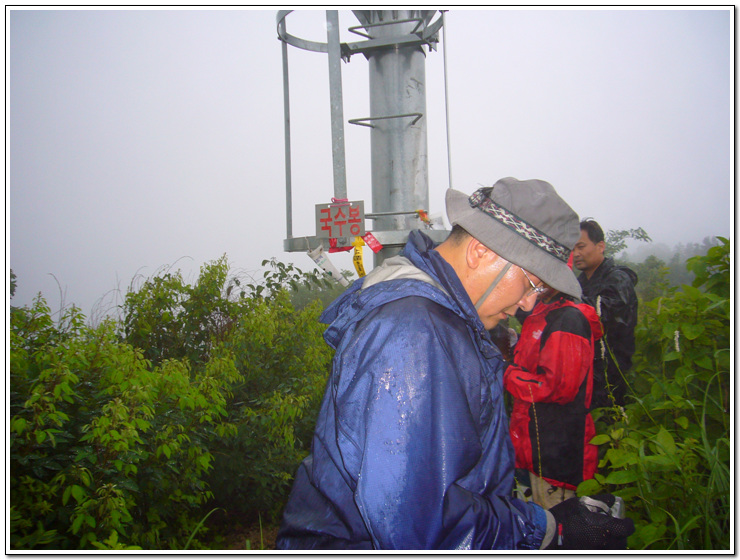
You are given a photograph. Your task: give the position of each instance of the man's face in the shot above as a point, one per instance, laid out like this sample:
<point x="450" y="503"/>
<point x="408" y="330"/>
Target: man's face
<point x="587" y="255"/>
<point x="514" y="291"/>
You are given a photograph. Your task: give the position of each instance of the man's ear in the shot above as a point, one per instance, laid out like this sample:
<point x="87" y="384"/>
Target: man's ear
<point x="601" y="245"/>
<point x="475" y="253"/>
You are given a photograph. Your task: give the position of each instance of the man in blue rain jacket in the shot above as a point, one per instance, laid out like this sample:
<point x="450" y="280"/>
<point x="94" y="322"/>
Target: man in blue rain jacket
<point x="411" y="448"/>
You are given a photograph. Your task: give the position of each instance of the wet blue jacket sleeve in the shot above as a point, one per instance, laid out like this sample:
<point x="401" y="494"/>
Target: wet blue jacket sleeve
<point x="423" y="436"/>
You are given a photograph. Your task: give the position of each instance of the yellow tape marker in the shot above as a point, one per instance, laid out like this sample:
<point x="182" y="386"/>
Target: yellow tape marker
<point x="357" y="257"/>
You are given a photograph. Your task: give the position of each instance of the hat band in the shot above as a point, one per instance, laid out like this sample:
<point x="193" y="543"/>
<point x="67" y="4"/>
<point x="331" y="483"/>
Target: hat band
<point x="479" y="200"/>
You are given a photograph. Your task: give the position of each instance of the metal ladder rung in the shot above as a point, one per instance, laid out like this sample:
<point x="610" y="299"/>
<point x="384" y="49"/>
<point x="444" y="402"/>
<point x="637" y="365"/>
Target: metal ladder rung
<point x="359" y="121"/>
<point x="354" y="29"/>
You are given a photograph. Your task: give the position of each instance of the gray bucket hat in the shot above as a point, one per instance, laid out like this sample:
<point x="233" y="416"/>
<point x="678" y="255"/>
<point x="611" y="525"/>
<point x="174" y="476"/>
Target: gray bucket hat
<point x="524" y="222"/>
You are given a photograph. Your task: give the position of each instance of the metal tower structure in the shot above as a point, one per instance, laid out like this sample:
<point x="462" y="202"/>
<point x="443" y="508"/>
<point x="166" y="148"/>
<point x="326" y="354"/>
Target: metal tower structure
<point x="394" y="48"/>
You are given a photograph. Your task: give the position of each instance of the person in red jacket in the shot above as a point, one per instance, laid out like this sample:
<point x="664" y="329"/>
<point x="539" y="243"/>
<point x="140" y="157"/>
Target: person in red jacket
<point x="551" y="380"/>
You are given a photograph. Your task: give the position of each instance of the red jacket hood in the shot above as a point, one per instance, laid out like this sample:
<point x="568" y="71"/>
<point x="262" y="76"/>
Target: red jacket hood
<point x="588" y="311"/>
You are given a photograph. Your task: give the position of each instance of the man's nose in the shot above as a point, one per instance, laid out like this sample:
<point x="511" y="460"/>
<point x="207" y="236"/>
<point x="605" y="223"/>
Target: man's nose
<point x="528" y="301"/>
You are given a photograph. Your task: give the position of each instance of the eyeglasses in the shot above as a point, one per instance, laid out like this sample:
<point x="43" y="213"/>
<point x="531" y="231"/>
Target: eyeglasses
<point x="535" y="289"/>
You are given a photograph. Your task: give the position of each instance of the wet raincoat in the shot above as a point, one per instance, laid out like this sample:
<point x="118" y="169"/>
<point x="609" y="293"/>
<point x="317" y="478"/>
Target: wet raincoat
<point x="411" y="448"/>
<point x="551" y="382"/>
<point x="611" y="289"/>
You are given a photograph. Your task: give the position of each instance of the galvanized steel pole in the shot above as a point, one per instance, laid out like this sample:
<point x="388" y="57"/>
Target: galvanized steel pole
<point x="398" y="145"/>
<point x="394" y="47"/>
<point x="337" y="109"/>
<point x="286" y="113"/>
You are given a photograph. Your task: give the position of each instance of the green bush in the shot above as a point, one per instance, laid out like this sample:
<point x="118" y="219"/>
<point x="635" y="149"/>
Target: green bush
<point x="284" y="364"/>
<point x="280" y="356"/>
<point x="126" y="435"/>
<point x="168" y="318"/>
<point x="106" y="451"/>
<point x="667" y="453"/>
<point x="203" y="399"/>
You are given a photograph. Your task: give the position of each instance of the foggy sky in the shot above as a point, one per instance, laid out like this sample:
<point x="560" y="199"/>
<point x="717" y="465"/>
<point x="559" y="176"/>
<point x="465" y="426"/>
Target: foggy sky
<point x="145" y="138"/>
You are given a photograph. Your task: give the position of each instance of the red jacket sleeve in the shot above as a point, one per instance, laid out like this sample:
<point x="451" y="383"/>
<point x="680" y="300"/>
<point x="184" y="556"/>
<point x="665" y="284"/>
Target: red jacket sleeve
<point x="562" y="363"/>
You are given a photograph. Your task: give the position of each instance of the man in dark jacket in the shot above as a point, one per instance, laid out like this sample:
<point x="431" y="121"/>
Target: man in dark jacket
<point x="411" y="448"/>
<point x="610" y="289"/>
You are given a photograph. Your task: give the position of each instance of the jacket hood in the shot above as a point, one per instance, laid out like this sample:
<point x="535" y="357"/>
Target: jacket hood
<point x="589" y="312"/>
<point x="418" y="271"/>
<point x="627" y="270"/>
<point x="609" y="266"/>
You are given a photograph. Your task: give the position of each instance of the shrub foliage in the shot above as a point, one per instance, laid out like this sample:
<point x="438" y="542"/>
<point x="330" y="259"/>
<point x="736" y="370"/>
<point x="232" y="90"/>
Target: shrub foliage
<point x="203" y="398"/>
<point x="126" y="434"/>
<point x="667" y="453"/>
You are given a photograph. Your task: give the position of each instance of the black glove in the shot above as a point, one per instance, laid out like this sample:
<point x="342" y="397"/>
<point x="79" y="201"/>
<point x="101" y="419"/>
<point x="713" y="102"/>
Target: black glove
<point x="579" y="527"/>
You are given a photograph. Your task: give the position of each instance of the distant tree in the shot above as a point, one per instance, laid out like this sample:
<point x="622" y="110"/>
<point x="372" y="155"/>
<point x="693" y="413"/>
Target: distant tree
<point x="652" y="274"/>
<point x="616" y="240"/>
<point x="13" y="283"/>
<point x="680" y="273"/>
<point x="675" y="259"/>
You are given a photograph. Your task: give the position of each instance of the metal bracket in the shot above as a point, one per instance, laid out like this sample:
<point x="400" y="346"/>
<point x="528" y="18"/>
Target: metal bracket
<point x="396" y="238"/>
<point x="418" y="21"/>
<point x="378" y="215"/>
<point x="427" y="36"/>
<point x="359" y="121"/>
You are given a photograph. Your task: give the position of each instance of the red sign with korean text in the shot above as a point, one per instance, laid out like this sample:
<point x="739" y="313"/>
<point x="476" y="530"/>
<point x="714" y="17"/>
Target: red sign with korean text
<point x="340" y="219"/>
